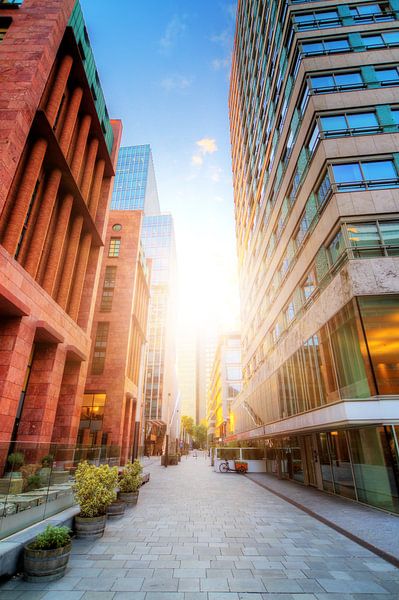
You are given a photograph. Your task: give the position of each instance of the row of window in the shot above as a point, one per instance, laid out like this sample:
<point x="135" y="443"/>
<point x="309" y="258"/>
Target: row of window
<point x="383" y="118"/>
<point x="384" y="39"/>
<point x="338" y="178"/>
<point x="344" y="15"/>
<point x="353" y="240"/>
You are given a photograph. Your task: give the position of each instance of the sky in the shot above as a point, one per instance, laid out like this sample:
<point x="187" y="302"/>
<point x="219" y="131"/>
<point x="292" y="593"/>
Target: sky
<point x="164" y="67"/>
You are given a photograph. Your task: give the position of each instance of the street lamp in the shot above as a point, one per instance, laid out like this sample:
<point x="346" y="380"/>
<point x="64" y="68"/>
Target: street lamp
<point x="167" y="435"/>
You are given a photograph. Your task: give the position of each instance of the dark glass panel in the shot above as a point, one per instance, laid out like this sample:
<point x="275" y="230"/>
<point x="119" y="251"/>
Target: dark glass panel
<point x="341" y="464"/>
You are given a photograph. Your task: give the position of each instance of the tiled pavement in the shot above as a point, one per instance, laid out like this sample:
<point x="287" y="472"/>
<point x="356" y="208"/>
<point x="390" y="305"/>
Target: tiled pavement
<point x="199" y="535"/>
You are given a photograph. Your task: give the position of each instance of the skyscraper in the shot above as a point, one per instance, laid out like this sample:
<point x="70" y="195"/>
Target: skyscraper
<point x="314" y="128"/>
<point x="135" y="189"/>
<point x="56" y="170"/>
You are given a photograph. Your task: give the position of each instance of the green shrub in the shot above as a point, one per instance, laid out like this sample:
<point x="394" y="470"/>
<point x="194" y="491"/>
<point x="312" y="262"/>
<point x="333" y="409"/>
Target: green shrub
<point x="95" y="488"/>
<point x="52" y="537"/>
<point x="47" y="460"/>
<point x="33" y="482"/>
<point x="16" y="460"/>
<point x="130" y="479"/>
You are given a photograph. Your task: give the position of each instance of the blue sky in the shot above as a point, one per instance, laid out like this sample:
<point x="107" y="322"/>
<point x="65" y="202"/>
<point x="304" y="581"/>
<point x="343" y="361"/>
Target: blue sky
<point x="164" y="67"/>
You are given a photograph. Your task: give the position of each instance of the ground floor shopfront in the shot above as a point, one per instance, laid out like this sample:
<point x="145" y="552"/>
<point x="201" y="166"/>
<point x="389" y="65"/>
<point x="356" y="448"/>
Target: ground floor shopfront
<point x="358" y="463"/>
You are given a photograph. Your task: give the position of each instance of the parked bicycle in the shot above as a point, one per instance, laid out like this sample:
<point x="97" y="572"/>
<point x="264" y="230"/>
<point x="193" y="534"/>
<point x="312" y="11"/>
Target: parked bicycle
<point x="239" y="467"/>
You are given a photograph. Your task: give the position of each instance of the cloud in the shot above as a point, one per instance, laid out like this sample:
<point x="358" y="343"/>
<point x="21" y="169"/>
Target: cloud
<point x="175" y="82"/>
<point x="197" y="160"/>
<point x="223" y="38"/>
<point x="220" y="63"/>
<point x="215" y="173"/>
<point x="174" y="30"/>
<point x="205" y="146"/>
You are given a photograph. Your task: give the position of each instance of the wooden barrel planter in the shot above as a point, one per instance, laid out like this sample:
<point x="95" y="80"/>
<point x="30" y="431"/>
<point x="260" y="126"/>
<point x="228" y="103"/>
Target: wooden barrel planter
<point x="116" y="509"/>
<point x="90" y="527"/>
<point x="129" y="497"/>
<point x="45" y="565"/>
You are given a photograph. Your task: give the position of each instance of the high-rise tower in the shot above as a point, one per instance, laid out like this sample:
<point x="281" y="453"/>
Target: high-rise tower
<point x="314" y="127"/>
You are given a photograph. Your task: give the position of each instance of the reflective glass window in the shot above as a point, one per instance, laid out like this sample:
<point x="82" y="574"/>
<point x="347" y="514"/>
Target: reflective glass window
<point x="395" y="116"/>
<point x="313" y="47"/>
<point x="373" y="41"/>
<point x="387" y="75"/>
<point x="341" y="464"/>
<point x="381" y="169"/>
<point x="390" y="236"/>
<point x="348" y="79"/>
<point x="323" y="190"/>
<point x="337" y="247"/>
<point x="321" y="82"/>
<point x="337" y="45"/>
<point x="334" y="123"/>
<point x="391" y="37"/>
<point x="347" y="173"/>
<point x="362" y="120"/>
<point x="364" y="238"/>
<point x="380" y="316"/>
<point x="351" y="362"/>
<point x="373" y="467"/>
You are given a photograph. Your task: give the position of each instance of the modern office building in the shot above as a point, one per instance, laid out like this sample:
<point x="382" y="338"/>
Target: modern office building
<point x="135" y="189"/>
<point x="187" y="371"/>
<point x="314" y="119"/>
<point x="206" y="348"/>
<point x="225" y="384"/>
<point x="111" y="410"/>
<point x="56" y="170"/>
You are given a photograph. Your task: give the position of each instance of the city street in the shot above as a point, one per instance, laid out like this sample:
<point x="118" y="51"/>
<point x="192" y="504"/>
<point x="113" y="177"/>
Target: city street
<point x="199" y="535"/>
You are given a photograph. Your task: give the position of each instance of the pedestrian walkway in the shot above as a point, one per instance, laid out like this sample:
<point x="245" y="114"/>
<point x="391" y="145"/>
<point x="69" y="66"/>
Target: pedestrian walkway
<point x="200" y="535"/>
<point x="375" y="529"/>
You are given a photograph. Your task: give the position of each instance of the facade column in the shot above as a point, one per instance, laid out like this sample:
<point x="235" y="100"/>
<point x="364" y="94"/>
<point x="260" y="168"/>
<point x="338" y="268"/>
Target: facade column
<point x="89" y="168"/>
<point x="40" y="405"/>
<point x="32" y="260"/>
<point x="70" y="402"/>
<point x="70" y="119"/>
<point x="16" y="339"/>
<point x="80" y="146"/>
<point x="69" y="262"/>
<point x="96" y="187"/>
<point x="51" y="270"/>
<point x="26" y="187"/>
<point x="79" y="276"/>
<point x="58" y="88"/>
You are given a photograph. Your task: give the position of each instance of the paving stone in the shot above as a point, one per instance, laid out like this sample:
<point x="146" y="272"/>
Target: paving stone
<point x="160" y="585"/>
<point x="189" y="585"/>
<point x="246" y="585"/>
<point x="214" y="584"/>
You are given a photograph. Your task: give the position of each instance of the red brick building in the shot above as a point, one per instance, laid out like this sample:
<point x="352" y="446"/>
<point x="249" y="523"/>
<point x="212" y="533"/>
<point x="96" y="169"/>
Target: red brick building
<point x="57" y="154"/>
<point x="111" y="411"/>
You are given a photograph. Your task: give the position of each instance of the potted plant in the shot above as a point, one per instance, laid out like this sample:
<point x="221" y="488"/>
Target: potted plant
<point x="46" y="557"/>
<point x="45" y="471"/>
<point x="116" y="509"/>
<point x="15" y="460"/>
<point x="129" y="482"/>
<point x="94" y="492"/>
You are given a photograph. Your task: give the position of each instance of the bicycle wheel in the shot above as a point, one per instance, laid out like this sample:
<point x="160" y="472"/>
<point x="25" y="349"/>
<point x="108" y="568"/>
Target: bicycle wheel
<point x="223" y="467"/>
<point x="241" y="470"/>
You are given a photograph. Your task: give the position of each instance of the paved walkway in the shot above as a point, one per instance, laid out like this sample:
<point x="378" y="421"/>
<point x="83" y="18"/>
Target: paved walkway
<point x="199" y="535"/>
<point x="375" y="528"/>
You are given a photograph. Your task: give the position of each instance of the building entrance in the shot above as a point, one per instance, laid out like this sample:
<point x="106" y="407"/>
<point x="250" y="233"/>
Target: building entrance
<point x="310" y="459"/>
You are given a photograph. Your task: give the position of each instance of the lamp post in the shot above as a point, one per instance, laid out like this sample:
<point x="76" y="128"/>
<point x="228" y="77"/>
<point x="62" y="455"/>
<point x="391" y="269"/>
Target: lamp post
<point x="167" y="435"/>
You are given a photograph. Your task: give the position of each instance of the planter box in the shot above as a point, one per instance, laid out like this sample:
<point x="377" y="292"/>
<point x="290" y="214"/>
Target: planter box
<point x="45" y="565"/>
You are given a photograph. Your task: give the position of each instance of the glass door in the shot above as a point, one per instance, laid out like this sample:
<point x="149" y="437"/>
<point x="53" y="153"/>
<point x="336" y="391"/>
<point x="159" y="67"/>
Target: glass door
<point x="310" y="454"/>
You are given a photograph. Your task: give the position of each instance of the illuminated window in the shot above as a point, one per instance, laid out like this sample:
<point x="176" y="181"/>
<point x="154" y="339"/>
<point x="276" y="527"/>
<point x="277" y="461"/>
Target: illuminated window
<point x="100" y="347"/>
<point x="114" y="247"/>
<point x="108" y="289"/>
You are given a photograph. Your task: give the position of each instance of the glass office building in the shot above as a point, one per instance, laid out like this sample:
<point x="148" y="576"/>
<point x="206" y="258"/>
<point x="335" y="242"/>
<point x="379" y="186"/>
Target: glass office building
<point x="314" y="119"/>
<point x="135" y="189"/>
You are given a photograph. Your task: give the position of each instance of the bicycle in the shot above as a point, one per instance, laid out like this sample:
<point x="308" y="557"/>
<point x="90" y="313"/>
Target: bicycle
<point x="240" y="467"/>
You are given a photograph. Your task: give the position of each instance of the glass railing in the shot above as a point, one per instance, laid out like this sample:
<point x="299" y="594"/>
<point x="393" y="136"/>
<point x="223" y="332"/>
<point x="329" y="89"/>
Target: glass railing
<point x="36" y="479"/>
<point x="11" y="2"/>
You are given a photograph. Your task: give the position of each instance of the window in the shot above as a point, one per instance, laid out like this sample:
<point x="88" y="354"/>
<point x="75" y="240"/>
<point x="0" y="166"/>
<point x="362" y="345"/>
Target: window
<point x="337" y="247"/>
<point x="364" y="238"/>
<point x="108" y="289"/>
<point x="336" y="81"/>
<point x="326" y="46"/>
<point x="365" y="175"/>
<point x="100" y="346"/>
<point x="389" y="231"/>
<point x="308" y="286"/>
<point x="317" y="20"/>
<point x="369" y="13"/>
<point x="387" y="76"/>
<point x="114" y="247"/>
<point x="324" y="190"/>
<point x="352" y="123"/>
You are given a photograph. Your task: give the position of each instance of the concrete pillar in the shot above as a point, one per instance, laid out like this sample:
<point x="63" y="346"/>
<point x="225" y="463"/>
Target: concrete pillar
<point x="13" y="228"/>
<point x="70" y="119"/>
<point x="70" y="401"/>
<point x="40" y="405"/>
<point x="80" y="146"/>
<point x="69" y="262"/>
<point x="79" y="277"/>
<point x="58" y="88"/>
<point x="51" y="270"/>
<point x="96" y="187"/>
<point x="32" y="260"/>
<point x="89" y="168"/>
